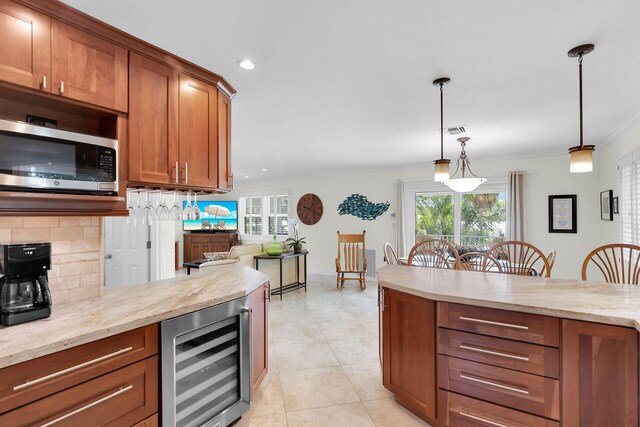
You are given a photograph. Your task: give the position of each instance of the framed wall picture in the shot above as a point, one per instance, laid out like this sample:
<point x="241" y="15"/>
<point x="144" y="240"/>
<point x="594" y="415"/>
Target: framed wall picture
<point x="606" y="205"/>
<point x="563" y="214"/>
<point x="615" y="206"/>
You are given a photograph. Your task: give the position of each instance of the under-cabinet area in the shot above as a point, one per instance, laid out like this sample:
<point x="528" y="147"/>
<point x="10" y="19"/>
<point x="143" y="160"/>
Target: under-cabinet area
<point x="458" y="364"/>
<point x="197" y="361"/>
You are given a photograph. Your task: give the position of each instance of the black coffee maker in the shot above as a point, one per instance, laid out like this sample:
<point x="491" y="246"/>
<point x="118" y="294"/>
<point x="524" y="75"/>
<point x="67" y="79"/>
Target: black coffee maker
<point x="24" y="285"/>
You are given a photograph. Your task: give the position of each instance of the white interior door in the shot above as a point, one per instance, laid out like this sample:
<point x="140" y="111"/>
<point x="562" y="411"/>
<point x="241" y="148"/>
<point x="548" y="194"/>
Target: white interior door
<point x="126" y="253"/>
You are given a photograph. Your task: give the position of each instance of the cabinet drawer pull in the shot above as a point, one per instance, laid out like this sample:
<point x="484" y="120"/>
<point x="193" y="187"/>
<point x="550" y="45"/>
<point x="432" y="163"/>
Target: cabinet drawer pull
<point x="89" y="405"/>
<point x="490" y="322"/>
<point x="495" y="353"/>
<point x="29" y="383"/>
<point x="484" y="420"/>
<point x="491" y="383"/>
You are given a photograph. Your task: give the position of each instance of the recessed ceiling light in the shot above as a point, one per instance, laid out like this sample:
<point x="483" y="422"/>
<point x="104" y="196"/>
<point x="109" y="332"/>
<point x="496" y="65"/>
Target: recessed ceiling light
<point x="264" y="170"/>
<point x="246" y="176"/>
<point x="246" y="64"/>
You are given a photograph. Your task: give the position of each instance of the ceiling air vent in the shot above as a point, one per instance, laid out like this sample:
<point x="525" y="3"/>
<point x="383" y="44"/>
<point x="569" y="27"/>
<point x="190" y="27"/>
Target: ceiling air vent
<point x="457" y="130"/>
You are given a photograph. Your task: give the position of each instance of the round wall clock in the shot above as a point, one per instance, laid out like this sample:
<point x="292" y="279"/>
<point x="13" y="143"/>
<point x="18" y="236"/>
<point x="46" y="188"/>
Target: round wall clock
<point x="309" y="209"/>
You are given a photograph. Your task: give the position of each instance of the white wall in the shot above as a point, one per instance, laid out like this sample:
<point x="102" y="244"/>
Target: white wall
<point x="546" y="176"/>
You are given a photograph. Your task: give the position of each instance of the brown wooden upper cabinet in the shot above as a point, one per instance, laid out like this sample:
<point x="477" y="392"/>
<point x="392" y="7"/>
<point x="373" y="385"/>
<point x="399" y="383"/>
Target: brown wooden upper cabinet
<point x="26" y="46"/>
<point x="153" y="121"/>
<point x="41" y="53"/>
<point x="198" y="133"/>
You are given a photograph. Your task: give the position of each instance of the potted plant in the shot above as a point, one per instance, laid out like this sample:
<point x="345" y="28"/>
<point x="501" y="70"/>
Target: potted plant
<point x="295" y="242"/>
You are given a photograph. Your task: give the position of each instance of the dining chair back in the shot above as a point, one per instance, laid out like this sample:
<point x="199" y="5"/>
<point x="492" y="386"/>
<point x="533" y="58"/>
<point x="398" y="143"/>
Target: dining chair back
<point x="618" y="263"/>
<point x="390" y="255"/>
<point x="471" y="261"/>
<point x="351" y="259"/>
<point x="551" y="259"/>
<point x="435" y="253"/>
<point x="518" y="258"/>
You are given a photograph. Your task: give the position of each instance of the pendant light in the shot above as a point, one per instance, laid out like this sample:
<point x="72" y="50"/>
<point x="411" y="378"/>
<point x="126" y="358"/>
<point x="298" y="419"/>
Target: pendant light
<point x="464" y="184"/>
<point x="442" y="164"/>
<point x="581" y="155"/>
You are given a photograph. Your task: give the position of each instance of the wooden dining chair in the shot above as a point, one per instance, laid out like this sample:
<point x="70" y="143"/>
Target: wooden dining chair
<point x="471" y="261"/>
<point x="551" y="259"/>
<point x="390" y="255"/>
<point x="432" y="252"/>
<point x="351" y="259"/>
<point x="618" y="263"/>
<point x="518" y="258"/>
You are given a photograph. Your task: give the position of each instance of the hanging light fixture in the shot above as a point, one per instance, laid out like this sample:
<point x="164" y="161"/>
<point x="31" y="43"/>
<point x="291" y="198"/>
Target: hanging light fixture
<point x="442" y="164"/>
<point x="464" y="184"/>
<point x="581" y="155"/>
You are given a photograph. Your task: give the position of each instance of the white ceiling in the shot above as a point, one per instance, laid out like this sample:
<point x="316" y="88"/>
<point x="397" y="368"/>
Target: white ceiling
<point x="347" y="84"/>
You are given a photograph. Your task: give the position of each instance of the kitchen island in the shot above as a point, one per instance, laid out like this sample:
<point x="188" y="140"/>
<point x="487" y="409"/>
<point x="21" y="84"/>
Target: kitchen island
<point x="470" y="348"/>
<point x="106" y="350"/>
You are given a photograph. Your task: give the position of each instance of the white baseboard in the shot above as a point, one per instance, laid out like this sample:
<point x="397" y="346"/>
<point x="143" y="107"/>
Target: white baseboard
<point x="328" y="272"/>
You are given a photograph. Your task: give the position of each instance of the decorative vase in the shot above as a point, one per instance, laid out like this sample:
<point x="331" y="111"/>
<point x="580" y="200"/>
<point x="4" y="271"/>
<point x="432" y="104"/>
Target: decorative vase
<point x="275" y="249"/>
<point x="297" y="248"/>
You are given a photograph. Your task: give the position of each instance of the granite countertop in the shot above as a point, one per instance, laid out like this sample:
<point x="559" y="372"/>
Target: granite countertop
<point x="124" y="309"/>
<point x="571" y="299"/>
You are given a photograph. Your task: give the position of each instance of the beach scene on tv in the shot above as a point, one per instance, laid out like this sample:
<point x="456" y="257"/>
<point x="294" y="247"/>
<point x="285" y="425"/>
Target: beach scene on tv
<point x="214" y="216"/>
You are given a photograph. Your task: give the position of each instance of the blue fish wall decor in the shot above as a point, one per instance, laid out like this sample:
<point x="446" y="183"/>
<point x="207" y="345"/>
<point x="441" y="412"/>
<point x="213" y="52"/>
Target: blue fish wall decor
<point x="358" y="205"/>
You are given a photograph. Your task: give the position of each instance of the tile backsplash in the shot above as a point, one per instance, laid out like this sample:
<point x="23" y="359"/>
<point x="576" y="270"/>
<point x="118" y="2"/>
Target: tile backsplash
<point x="76" y="270"/>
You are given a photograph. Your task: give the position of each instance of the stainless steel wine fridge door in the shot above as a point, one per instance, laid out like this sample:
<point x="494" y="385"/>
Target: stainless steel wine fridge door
<point x="206" y="366"/>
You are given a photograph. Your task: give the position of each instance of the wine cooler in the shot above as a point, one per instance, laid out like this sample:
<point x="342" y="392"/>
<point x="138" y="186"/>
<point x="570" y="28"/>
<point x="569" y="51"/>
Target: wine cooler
<point x="206" y="366"/>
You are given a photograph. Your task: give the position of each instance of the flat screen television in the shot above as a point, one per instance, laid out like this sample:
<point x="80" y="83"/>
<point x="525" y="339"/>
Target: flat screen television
<point x="214" y="216"/>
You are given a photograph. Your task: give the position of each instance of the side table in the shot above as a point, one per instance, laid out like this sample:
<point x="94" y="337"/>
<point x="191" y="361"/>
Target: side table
<point x="290" y="286"/>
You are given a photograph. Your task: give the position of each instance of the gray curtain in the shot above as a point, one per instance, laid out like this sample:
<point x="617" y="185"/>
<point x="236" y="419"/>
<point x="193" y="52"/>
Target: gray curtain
<point x="400" y="228"/>
<point x="516" y="206"/>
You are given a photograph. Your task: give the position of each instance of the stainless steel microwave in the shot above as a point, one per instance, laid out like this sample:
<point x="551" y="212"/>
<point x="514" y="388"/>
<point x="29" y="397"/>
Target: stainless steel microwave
<point x="37" y="158"/>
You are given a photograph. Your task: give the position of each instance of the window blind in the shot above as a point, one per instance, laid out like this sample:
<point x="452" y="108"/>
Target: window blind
<point x="629" y="171"/>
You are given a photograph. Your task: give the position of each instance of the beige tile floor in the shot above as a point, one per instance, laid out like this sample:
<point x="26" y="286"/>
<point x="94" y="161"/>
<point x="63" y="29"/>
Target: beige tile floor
<point x="323" y="362"/>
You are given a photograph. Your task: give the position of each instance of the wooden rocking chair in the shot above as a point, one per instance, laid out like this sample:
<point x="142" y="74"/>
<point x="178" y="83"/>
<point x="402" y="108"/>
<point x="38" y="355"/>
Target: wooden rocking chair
<point x="351" y="246"/>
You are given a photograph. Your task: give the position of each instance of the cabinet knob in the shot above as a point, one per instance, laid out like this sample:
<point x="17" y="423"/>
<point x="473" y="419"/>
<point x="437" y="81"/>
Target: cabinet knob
<point x="108" y="256"/>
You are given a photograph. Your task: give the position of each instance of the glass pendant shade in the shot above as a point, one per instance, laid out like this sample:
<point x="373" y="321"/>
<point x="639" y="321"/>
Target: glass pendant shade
<point x="442" y="170"/>
<point x="581" y="158"/>
<point x="464" y="185"/>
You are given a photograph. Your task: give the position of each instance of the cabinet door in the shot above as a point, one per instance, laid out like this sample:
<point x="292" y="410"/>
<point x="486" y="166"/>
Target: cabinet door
<point x="198" y="134"/>
<point x="259" y="305"/>
<point x="153" y="121"/>
<point x="409" y="351"/>
<point x="88" y="68"/>
<point x="26" y="46"/>
<point x="196" y="252"/>
<point x="599" y="375"/>
<point x="225" y="181"/>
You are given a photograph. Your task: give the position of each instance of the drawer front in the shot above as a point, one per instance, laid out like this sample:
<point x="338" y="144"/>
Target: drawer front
<point x="460" y="411"/>
<point x="512" y="325"/>
<point x="122" y="397"/>
<point x="37" y="378"/>
<point x="520" y="356"/>
<point x="152" y="421"/>
<point x="525" y="392"/>
<point x="201" y="239"/>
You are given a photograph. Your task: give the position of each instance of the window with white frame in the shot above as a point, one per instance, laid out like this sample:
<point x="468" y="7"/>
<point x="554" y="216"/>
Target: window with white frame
<point x="476" y="219"/>
<point x="264" y="214"/>
<point x="629" y="171"/>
